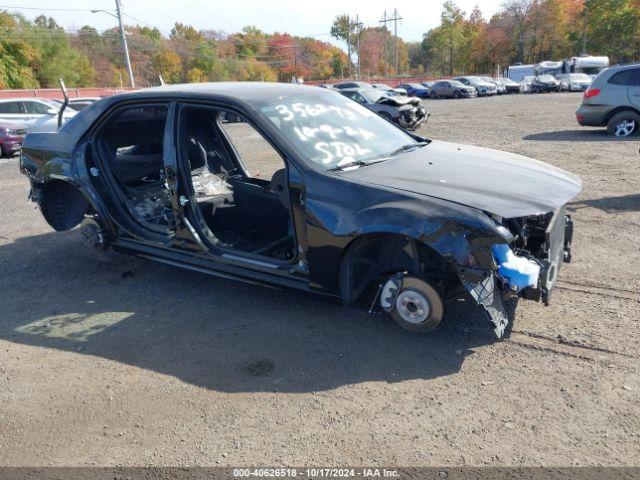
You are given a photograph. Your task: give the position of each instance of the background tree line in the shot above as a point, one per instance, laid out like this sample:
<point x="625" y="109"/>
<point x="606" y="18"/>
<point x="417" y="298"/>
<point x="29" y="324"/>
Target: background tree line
<point x="36" y="53"/>
<point x="528" y="31"/>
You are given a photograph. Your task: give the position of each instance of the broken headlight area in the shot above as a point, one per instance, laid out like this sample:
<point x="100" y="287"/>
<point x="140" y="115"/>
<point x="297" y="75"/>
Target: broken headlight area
<point x="526" y="267"/>
<point x="411" y="117"/>
<point x="530" y="265"/>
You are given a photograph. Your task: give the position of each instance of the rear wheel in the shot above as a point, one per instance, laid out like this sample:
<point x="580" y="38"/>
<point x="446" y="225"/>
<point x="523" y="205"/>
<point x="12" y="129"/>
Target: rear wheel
<point x="623" y="124"/>
<point x="413" y="303"/>
<point x="1" y="151"/>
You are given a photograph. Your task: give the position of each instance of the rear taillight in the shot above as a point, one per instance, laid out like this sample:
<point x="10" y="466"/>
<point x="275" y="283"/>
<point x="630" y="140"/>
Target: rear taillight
<point x="591" y="92"/>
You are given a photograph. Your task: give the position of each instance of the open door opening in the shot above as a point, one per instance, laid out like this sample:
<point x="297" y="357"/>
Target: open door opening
<point x="238" y="182"/>
<point x="129" y="151"/>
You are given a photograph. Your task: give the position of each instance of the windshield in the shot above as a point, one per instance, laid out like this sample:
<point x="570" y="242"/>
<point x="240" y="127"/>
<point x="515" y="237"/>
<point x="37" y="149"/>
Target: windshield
<point x="416" y="85"/>
<point x="546" y="78"/>
<point x="456" y="83"/>
<point x="372" y="94"/>
<point x="331" y="130"/>
<point x="579" y="77"/>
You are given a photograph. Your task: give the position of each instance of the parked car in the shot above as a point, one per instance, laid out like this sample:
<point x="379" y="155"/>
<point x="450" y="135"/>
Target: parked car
<point x="544" y="83"/>
<point x="525" y="84"/>
<point x="483" y="88"/>
<point x="342" y="85"/>
<point x="401" y="110"/>
<point x="356" y="203"/>
<point x="415" y="89"/>
<point x="78" y="104"/>
<point x="389" y="90"/>
<point x="574" y="82"/>
<point x="452" y="89"/>
<point x="35" y="114"/>
<point x="11" y="137"/>
<point x="500" y="87"/>
<point x="510" y="85"/>
<point x="613" y="100"/>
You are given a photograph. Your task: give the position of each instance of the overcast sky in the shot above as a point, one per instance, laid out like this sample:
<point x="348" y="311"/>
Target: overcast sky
<point x="299" y="17"/>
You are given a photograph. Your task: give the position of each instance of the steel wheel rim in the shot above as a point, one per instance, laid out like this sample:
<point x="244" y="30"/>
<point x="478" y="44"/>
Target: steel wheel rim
<point x="625" y="128"/>
<point x="413" y="307"/>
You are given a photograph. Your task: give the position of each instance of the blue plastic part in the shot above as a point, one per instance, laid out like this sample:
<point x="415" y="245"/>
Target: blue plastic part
<point x="520" y="272"/>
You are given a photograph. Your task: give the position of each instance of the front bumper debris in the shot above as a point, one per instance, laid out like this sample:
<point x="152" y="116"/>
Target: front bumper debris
<point x="487" y="295"/>
<point x="488" y="287"/>
<point x="412" y="119"/>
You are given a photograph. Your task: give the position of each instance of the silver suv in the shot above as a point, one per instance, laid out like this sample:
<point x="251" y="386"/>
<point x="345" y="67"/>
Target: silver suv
<point x="613" y="100"/>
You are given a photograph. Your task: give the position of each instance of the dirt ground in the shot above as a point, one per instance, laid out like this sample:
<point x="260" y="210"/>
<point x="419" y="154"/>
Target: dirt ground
<point x="109" y="360"/>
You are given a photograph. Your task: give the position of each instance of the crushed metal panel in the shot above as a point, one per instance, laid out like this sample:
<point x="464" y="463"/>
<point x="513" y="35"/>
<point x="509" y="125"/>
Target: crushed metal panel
<point x="488" y="296"/>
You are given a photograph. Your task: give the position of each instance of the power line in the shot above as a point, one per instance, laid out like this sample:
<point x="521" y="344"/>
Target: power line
<point x="46" y="9"/>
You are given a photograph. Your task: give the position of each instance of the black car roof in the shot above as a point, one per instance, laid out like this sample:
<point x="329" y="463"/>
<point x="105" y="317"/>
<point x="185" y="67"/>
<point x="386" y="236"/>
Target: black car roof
<point x="240" y="90"/>
<point x="241" y="93"/>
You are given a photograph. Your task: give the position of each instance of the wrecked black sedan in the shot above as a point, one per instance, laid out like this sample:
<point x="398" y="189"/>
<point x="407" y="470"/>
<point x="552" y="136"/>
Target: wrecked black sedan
<point x="406" y="112"/>
<point x="301" y="187"/>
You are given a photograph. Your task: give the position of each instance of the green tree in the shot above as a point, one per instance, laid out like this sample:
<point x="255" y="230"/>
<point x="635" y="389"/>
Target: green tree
<point x="18" y="58"/>
<point x="168" y="64"/>
<point x="452" y="24"/>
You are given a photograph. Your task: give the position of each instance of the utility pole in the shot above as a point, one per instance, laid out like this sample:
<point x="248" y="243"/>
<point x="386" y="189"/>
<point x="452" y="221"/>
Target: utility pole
<point x="295" y="60"/>
<point x="124" y="45"/>
<point x="395" y="33"/>
<point x="386" y="55"/>
<point x="358" y="26"/>
<point x="584" y="28"/>
<point x="349" y="43"/>
<point x="350" y="25"/>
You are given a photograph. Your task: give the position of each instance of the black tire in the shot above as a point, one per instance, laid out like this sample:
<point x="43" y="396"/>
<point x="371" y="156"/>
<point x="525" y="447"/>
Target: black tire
<point x="418" y="306"/>
<point x="62" y="205"/>
<point x="456" y="94"/>
<point x="1" y="151"/>
<point x="624" y="124"/>
<point x="433" y="95"/>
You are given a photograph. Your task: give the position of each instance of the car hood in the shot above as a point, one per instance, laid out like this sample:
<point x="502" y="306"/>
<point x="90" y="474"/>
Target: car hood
<point x="398" y="101"/>
<point x="497" y="182"/>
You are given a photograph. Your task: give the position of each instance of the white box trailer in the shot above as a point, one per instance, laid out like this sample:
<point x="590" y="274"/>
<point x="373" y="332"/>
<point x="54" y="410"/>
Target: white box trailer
<point x="518" y="72"/>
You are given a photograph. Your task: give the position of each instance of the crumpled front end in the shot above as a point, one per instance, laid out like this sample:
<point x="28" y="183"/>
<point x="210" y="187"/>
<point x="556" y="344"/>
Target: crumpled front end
<point x="527" y="267"/>
<point x="412" y="116"/>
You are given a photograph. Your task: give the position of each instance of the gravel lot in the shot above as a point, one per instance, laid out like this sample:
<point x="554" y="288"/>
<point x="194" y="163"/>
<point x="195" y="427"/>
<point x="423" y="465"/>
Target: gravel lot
<point x="111" y="360"/>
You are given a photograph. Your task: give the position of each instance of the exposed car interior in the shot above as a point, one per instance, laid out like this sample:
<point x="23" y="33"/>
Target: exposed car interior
<point x="242" y="212"/>
<point x="130" y="146"/>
